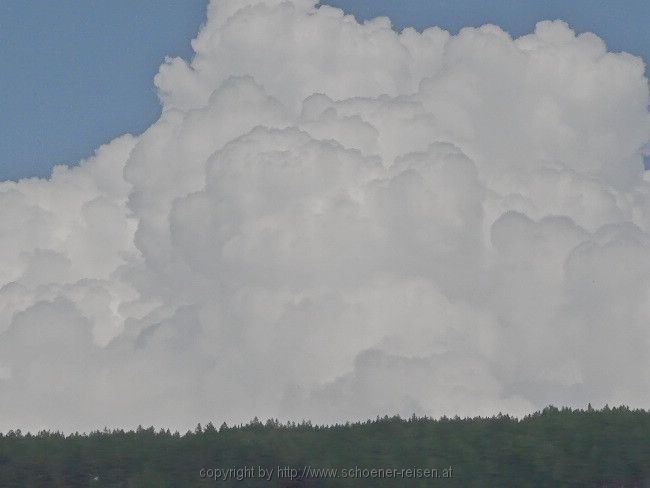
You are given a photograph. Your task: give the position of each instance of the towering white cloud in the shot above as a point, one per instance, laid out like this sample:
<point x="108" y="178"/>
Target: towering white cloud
<point x="331" y="220"/>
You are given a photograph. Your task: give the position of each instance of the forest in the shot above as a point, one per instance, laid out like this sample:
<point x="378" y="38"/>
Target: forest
<point x="564" y="447"/>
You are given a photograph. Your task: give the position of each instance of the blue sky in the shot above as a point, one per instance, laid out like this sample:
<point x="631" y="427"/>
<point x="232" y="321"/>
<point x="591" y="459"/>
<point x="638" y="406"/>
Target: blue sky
<point x="77" y="73"/>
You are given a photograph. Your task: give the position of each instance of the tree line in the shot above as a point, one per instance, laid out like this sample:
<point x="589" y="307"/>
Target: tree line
<point x="551" y="448"/>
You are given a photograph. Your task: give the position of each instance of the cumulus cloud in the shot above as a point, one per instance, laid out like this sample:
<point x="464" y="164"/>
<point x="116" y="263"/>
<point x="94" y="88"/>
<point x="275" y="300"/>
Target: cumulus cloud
<point x="332" y="220"/>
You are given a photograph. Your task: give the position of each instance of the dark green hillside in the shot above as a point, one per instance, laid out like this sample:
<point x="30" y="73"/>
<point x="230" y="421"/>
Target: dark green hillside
<point x="554" y="448"/>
